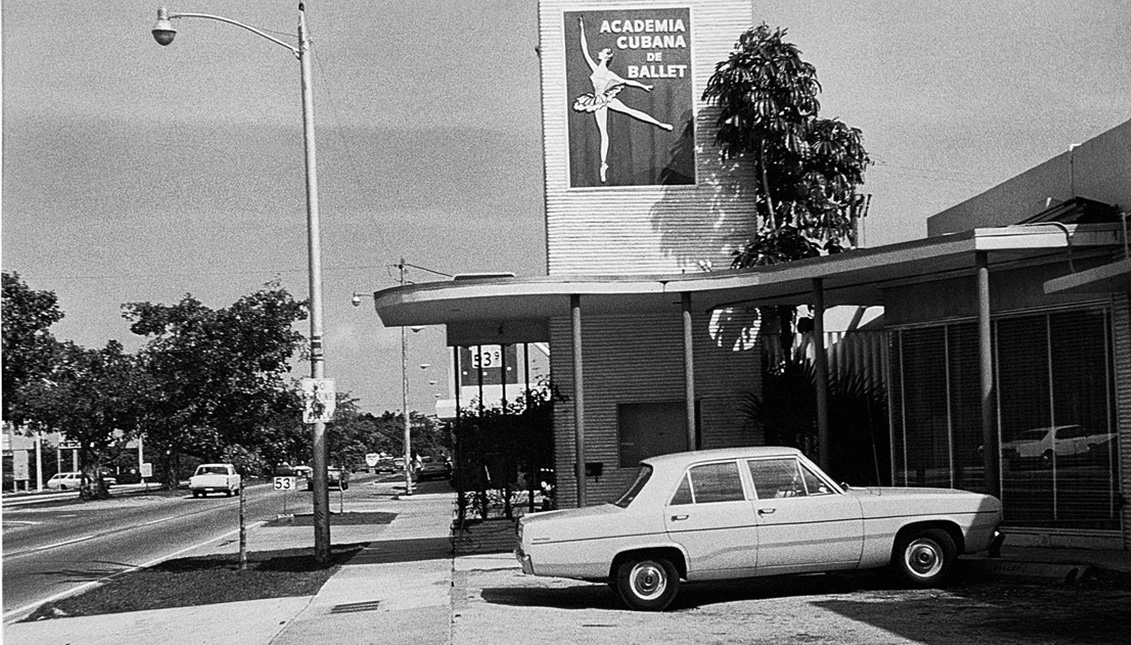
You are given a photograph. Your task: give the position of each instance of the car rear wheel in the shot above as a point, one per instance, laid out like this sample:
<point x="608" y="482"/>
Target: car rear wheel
<point x="925" y="558"/>
<point x="647" y="583"/>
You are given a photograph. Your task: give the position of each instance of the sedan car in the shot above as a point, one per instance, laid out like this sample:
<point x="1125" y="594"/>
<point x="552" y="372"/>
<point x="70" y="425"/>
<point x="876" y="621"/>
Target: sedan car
<point x="1044" y="446"/>
<point x="747" y="512"/>
<point x="433" y="469"/>
<point x="335" y="478"/>
<point x="65" y="481"/>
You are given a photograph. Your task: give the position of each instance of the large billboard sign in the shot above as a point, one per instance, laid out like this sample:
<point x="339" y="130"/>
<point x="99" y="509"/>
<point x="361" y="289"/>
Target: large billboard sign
<point x="629" y="97"/>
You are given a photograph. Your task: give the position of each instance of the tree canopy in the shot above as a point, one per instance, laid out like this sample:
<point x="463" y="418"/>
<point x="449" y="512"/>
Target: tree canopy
<point x="221" y="373"/>
<point x="806" y="168"/>
<point x="28" y="345"/>
<point x="95" y="398"/>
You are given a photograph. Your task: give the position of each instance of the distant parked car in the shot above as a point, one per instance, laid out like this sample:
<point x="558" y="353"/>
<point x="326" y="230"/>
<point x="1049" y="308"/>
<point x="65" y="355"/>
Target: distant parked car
<point x="70" y="480"/>
<point x="386" y="465"/>
<point x="335" y="478"/>
<point x="1041" y="446"/>
<point x="431" y="468"/>
<point x="747" y="512"/>
<point x="215" y="478"/>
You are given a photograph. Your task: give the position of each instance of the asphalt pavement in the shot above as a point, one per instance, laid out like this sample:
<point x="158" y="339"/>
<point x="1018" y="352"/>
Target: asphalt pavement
<point x="405" y="587"/>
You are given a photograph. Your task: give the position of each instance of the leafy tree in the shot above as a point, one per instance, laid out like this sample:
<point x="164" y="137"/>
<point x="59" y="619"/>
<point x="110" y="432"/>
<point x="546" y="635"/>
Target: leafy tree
<point x="95" y="398"/>
<point x="220" y="373"/>
<point x="28" y="346"/>
<point x="807" y="168"/>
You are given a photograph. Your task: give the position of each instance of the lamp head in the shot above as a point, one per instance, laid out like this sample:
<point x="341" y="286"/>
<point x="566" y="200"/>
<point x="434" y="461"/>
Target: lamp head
<point x="163" y="31"/>
<point x="356" y="300"/>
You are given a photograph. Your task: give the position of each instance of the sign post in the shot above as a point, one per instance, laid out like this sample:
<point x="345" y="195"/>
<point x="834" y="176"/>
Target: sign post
<point x="285" y="484"/>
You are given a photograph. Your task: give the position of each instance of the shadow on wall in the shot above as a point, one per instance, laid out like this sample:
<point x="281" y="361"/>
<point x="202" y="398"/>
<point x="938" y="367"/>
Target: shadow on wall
<point x="720" y="196"/>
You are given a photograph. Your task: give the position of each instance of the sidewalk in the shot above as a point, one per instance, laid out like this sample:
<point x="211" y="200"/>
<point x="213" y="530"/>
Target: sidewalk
<point x="400" y="588"/>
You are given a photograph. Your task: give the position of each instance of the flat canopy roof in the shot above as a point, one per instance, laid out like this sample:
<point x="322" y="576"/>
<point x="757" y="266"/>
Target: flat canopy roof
<point x="850" y="278"/>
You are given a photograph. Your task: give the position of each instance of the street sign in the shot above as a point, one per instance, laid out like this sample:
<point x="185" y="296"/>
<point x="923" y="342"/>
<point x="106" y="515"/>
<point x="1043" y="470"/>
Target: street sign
<point x="371" y="459"/>
<point x="318" y="400"/>
<point x="147" y="470"/>
<point x="284" y="483"/>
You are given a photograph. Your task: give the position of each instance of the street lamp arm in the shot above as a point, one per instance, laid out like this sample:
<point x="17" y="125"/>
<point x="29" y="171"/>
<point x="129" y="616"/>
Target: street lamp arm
<point x="432" y="271"/>
<point x="294" y="50"/>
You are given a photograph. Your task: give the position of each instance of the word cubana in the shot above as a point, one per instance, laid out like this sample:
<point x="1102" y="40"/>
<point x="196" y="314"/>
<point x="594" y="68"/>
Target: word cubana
<point x="669" y="33"/>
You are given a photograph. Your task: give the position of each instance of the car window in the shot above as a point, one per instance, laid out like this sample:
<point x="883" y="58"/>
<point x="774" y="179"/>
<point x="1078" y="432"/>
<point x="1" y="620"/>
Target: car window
<point x="635" y="487"/>
<point x="776" y="478"/>
<point x="716" y="483"/>
<point x="683" y="493"/>
<point x="814" y="485"/>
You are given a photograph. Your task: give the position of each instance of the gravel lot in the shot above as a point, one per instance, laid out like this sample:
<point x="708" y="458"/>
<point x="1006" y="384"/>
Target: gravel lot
<point x="493" y="602"/>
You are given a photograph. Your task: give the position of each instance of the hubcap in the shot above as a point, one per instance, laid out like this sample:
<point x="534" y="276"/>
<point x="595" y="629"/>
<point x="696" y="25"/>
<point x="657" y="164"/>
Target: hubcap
<point x="648" y="580"/>
<point x="923" y="558"/>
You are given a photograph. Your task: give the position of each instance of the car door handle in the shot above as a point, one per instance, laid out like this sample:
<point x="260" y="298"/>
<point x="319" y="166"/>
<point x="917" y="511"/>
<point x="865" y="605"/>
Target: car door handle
<point x="766" y="511"/>
<point x="678" y="518"/>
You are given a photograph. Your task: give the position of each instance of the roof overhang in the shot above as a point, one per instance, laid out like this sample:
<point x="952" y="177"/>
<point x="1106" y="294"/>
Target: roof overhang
<point x="1108" y="278"/>
<point x="855" y="277"/>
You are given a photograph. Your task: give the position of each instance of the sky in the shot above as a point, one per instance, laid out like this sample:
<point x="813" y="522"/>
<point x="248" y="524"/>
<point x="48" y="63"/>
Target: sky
<point x="139" y="173"/>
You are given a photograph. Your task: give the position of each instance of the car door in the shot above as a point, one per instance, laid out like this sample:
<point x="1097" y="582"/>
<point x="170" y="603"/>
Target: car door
<point x="711" y="517"/>
<point x="804" y="522"/>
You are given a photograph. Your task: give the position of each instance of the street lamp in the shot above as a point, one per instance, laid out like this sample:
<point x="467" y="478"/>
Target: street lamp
<point x="164" y="33"/>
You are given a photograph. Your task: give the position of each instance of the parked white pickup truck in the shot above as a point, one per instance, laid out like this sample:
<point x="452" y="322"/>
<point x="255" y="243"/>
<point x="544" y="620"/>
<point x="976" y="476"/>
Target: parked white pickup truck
<point x="215" y="478"/>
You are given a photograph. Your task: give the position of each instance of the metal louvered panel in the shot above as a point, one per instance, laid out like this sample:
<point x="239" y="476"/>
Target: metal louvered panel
<point x="1121" y="328"/>
<point x="654" y="229"/>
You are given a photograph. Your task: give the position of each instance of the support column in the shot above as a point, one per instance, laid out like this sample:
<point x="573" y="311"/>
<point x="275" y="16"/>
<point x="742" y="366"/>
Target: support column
<point x="578" y="399"/>
<point x="821" y="367"/>
<point x="986" y="377"/>
<point x="689" y="370"/>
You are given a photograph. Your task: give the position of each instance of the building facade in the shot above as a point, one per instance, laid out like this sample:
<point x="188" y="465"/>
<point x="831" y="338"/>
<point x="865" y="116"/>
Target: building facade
<point x="1011" y="319"/>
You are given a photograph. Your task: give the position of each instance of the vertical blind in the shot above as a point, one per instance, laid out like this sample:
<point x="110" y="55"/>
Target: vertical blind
<point x="1055" y="415"/>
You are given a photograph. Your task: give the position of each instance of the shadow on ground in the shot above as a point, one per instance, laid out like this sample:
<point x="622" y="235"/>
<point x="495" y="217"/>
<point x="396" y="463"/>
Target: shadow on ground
<point x="204" y="580"/>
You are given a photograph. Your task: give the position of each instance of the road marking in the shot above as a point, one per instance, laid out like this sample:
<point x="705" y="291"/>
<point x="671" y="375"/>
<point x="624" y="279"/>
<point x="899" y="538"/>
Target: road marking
<point x="64" y="543"/>
<point x="18" y="614"/>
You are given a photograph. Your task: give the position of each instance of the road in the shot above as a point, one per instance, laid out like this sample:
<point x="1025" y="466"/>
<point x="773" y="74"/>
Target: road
<point x="53" y="547"/>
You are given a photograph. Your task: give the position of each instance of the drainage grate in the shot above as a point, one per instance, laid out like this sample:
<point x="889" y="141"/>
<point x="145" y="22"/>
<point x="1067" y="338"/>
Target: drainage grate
<point x="355" y="607"/>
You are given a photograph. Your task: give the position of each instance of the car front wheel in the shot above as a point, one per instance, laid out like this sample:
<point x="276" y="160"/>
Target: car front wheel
<point x="925" y="558"/>
<point x="647" y="583"/>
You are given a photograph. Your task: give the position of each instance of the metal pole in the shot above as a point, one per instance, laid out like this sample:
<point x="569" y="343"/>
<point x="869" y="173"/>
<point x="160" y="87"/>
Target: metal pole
<point x="317" y="359"/>
<point x="404" y="403"/>
<point x="986" y="376"/>
<point x="820" y="365"/>
<point x="38" y="461"/>
<point x="689" y="370"/>
<point x="578" y="400"/>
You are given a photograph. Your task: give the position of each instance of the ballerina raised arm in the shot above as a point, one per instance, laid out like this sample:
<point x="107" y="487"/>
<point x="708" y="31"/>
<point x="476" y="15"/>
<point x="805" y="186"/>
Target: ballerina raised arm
<point x="585" y="45"/>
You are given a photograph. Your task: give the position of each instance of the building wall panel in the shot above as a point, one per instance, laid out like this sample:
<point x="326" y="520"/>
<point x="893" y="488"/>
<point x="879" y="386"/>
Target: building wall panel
<point x="639" y="359"/>
<point x="653" y="229"/>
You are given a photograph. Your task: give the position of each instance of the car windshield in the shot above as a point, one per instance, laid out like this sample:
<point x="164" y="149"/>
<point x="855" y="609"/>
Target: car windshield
<point x="637" y="485"/>
<point x="212" y="470"/>
<point x="1032" y="435"/>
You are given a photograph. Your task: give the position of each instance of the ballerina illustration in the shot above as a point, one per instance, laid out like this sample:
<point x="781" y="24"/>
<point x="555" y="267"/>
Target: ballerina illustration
<point x="606" y="85"/>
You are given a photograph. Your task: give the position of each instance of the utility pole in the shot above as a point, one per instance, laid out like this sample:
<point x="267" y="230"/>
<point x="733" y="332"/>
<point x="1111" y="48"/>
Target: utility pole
<point x="404" y="401"/>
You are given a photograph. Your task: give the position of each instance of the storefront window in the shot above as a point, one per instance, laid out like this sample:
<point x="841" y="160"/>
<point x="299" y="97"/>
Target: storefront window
<point x="1055" y="413"/>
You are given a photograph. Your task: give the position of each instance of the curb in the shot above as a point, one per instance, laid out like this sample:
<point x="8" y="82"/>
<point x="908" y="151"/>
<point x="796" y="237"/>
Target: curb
<point x="1052" y="573"/>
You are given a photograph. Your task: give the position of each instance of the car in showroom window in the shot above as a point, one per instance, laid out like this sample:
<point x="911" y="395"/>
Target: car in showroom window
<point x="747" y="512"/>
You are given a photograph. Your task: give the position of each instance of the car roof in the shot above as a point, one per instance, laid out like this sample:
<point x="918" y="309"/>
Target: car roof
<point x="721" y="453"/>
